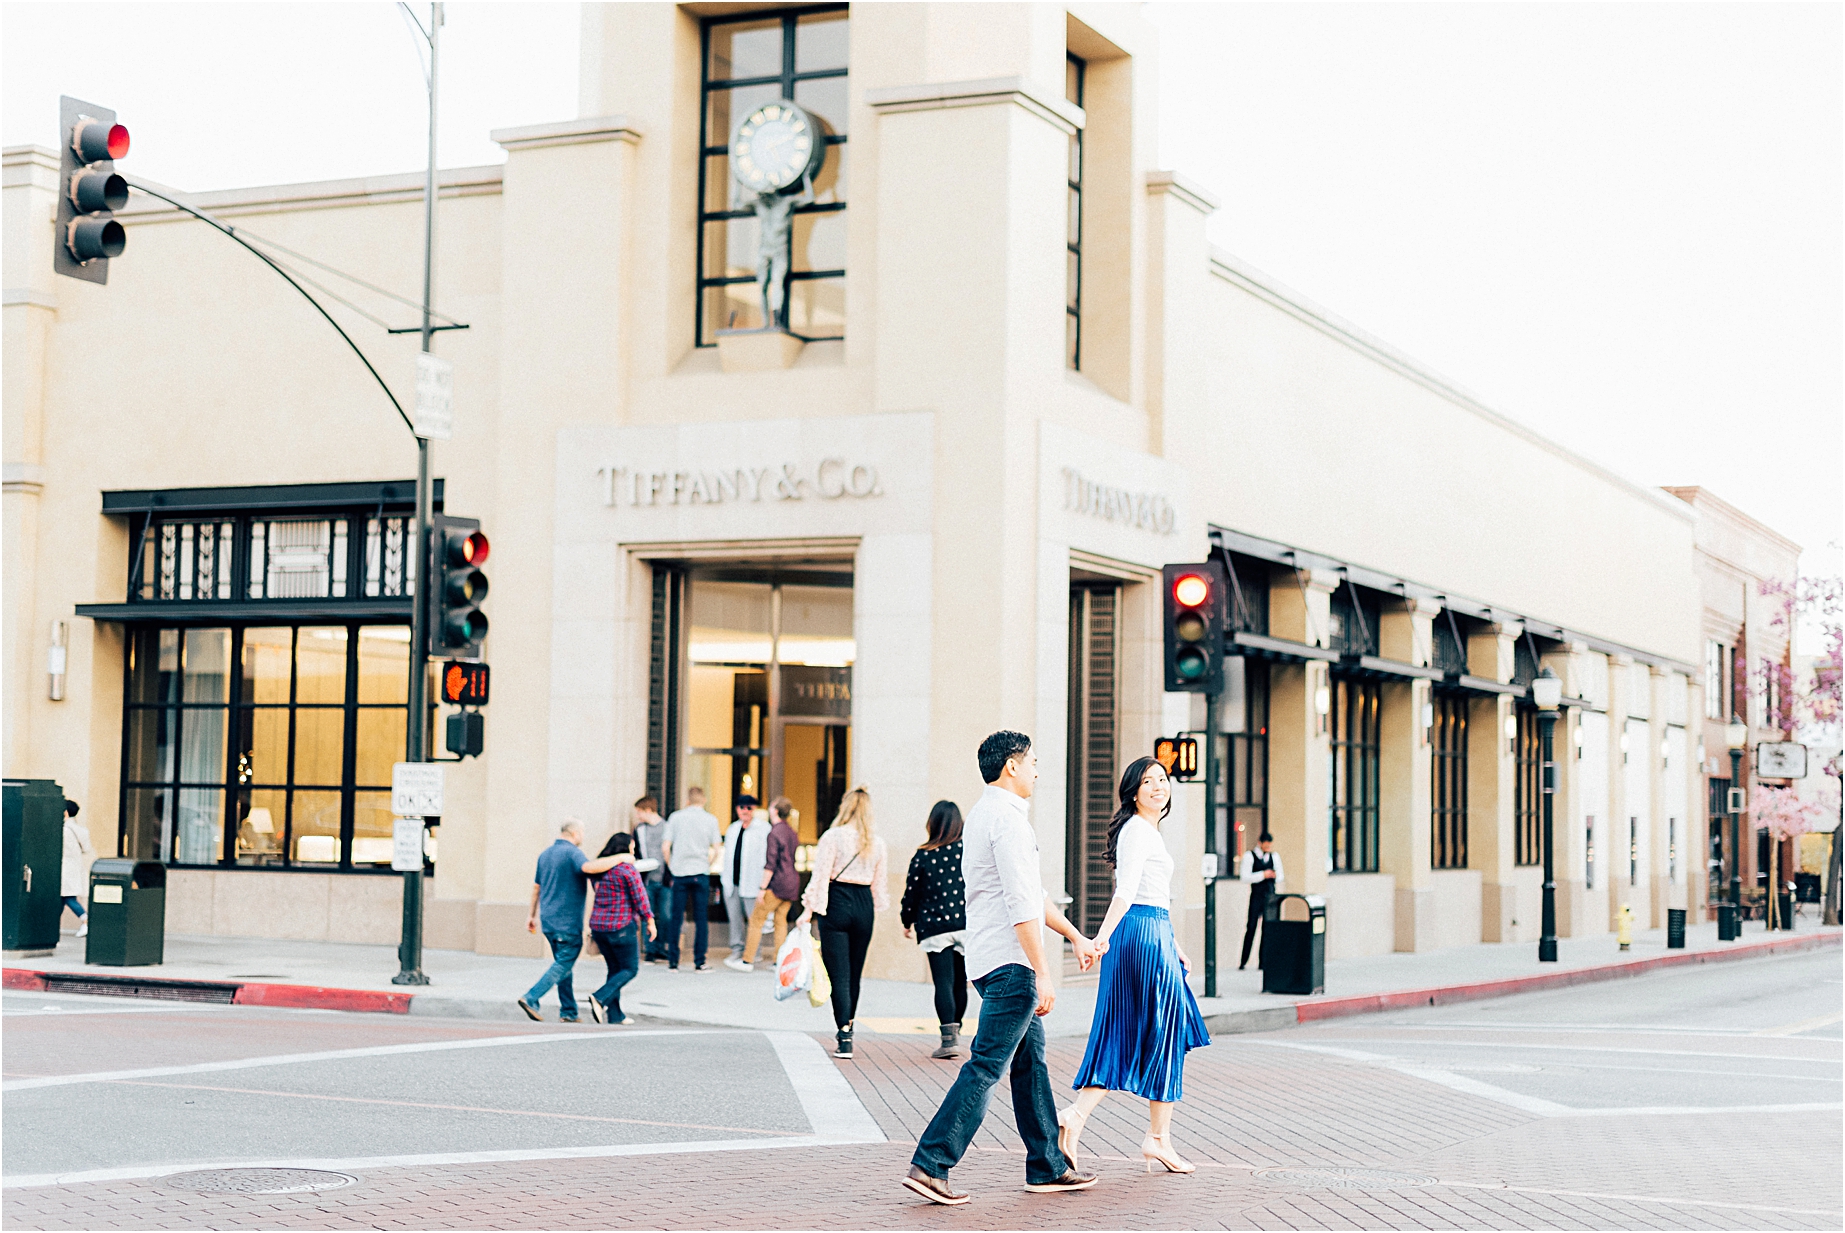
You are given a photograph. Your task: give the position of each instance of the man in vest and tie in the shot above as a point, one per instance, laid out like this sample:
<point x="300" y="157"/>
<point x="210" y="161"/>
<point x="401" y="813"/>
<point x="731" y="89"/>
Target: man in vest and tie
<point x="1262" y="874"/>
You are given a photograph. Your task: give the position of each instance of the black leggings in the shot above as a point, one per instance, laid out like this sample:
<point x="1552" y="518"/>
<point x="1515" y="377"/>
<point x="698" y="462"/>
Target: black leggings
<point x="845" y="935"/>
<point x="949" y="971"/>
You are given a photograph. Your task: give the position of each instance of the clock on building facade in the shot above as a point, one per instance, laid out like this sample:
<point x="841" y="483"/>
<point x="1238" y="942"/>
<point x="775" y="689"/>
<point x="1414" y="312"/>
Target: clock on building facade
<point x="776" y="147"/>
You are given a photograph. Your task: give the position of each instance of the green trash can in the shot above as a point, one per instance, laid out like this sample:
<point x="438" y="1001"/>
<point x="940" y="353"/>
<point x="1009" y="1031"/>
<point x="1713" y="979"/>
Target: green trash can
<point x="128" y="913"/>
<point x="34" y="858"/>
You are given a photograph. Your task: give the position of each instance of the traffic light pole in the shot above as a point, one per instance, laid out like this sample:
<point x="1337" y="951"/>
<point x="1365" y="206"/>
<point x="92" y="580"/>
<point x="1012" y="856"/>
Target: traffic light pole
<point x="1211" y="771"/>
<point x="410" y="948"/>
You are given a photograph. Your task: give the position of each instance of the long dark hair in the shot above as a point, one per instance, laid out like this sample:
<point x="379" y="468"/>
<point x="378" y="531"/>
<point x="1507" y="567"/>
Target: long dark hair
<point x="619" y="842"/>
<point x="944" y="826"/>
<point x="1129" y="789"/>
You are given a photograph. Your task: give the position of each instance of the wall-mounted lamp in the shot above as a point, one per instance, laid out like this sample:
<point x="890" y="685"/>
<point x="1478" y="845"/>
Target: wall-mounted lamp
<point x="1665" y="752"/>
<point x="1322" y="705"/>
<point x="1511" y="733"/>
<point x="55" y="661"/>
<point x="1623" y="746"/>
<point x="1578" y="739"/>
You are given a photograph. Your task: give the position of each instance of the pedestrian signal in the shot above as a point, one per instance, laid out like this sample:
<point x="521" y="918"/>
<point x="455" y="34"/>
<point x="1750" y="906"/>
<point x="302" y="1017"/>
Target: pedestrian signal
<point x="1194" y="606"/>
<point x="465" y="684"/>
<point x="1178" y="754"/>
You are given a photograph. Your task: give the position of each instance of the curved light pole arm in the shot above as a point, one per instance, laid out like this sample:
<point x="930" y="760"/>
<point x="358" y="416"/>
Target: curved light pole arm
<point x="231" y="231"/>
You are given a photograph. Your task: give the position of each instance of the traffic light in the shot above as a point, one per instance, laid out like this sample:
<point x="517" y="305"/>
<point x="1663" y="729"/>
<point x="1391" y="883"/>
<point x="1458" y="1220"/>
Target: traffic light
<point x="1194" y="627"/>
<point x="89" y="191"/>
<point x="457" y="626"/>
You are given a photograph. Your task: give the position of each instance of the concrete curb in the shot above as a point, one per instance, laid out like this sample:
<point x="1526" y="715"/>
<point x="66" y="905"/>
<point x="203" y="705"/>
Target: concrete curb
<point x="1263" y="1019"/>
<point x="1269" y="1019"/>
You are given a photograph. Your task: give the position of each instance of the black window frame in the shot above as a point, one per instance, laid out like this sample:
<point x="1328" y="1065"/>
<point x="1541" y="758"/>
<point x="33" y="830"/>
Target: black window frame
<point x="1076" y="76"/>
<point x="1448" y="780"/>
<point x="1243" y="781"/>
<point x="1528" y="789"/>
<point x="1354" y="730"/>
<point x="239" y="716"/>
<point x="708" y="148"/>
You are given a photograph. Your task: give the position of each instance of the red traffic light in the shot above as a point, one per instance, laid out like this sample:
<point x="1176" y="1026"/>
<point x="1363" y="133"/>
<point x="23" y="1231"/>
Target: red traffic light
<point x="469" y="549"/>
<point x="1191" y="590"/>
<point x="96" y="140"/>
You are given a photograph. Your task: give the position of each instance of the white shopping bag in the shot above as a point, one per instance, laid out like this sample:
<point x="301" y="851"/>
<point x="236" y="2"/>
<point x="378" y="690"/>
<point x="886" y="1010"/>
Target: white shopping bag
<point x="794" y="964"/>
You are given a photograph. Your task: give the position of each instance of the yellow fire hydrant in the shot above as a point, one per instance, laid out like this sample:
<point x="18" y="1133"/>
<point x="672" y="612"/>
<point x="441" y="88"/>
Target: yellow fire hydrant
<point x="1624" y="934"/>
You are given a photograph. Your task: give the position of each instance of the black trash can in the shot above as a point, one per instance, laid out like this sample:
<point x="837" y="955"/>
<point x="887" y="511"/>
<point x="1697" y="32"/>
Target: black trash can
<point x="128" y="913"/>
<point x="1675" y="928"/>
<point x="1294" y="945"/>
<point x="34" y="848"/>
<point x="1787" y="910"/>
<point x="1729" y="924"/>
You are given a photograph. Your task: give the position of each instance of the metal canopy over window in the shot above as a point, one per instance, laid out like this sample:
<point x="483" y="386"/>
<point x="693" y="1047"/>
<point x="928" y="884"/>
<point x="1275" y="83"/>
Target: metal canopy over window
<point x="281" y="553"/>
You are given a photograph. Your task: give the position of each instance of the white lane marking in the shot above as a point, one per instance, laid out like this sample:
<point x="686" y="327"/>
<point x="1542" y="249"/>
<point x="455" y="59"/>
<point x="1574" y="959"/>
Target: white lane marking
<point x="833" y="1109"/>
<point x="1589" y="1028"/>
<point x="1536" y="1104"/>
<point x="1473" y="1087"/>
<point x="1705" y="1074"/>
<point x="366" y="1163"/>
<point x="82" y="1010"/>
<point x="1804" y="1025"/>
<point x="1508" y="1044"/>
<point x="340" y="1055"/>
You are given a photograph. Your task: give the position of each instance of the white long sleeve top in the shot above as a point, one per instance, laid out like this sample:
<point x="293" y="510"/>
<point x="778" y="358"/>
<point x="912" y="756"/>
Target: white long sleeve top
<point x="1249" y="868"/>
<point x="1143" y="866"/>
<point x="999" y="868"/>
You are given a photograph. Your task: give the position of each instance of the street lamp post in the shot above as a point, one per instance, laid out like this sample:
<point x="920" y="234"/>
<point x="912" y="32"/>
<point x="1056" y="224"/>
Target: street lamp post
<point x="1547" y="692"/>
<point x="1736" y="735"/>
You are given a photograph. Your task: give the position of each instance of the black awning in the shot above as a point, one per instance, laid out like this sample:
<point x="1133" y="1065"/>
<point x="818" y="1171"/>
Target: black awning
<point x="393" y="495"/>
<point x="1378" y="668"/>
<point x="1284" y="650"/>
<point x="259" y="612"/>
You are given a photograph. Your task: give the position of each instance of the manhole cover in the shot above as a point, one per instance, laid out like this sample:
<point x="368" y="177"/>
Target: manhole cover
<point x="1346" y="1179"/>
<point x="258" y="1181"/>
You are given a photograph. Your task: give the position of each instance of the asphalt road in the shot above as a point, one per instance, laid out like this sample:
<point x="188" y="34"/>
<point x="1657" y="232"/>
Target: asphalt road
<point x="1697" y="1097"/>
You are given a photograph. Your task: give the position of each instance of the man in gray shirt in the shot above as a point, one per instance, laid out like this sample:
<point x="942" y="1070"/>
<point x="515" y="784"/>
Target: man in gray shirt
<point x="648" y="825"/>
<point x="1007" y="911"/>
<point x="689" y="843"/>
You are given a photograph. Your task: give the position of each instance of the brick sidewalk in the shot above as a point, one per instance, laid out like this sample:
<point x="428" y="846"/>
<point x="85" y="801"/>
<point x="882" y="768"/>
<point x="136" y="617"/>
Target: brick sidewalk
<point x="1247" y="1109"/>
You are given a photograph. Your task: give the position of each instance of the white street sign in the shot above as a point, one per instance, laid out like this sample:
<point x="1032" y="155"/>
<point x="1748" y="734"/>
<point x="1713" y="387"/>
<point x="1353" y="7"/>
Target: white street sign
<point x="1781" y="760"/>
<point x="416" y="789"/>
<point x="406" y="844"/>
<point x="435" y="398"/>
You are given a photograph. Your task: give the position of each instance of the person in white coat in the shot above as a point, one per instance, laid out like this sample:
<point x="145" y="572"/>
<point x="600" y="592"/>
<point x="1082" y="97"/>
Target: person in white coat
<point x="746" y="852"/>
<point x="74" y="877"/>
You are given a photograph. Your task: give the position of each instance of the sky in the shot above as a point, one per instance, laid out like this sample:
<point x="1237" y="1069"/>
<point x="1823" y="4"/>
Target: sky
<point x="1623" y="224"/>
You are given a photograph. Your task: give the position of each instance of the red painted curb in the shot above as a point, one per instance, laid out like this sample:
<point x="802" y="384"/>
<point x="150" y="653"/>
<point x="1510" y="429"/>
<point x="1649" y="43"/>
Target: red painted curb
<point x="299" y="997"/>
<point x="315" y="997"/>
<point x="1333" y="1008"/>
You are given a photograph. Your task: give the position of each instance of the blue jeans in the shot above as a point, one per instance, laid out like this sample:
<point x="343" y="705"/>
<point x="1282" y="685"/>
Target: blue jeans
<point x="618" y="951"/>
<point x="565" y="947"/>
<point x="1010" y="1037"/>
<point x="697" y="890"/>
<point x="659" y="898"/>
<point x="75" y="904"/>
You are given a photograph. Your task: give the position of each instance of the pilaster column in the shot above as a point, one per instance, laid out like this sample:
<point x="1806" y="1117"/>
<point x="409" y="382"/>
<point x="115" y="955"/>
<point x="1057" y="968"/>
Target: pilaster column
<point x="1491" y="789"/>
<point x="1569" y="836"/>
<point x="1666" y="893"/>
<point x="1620" y="694"/>
<point x="1405" y="789"/>
<point x="1300" y="605"/>
<point x="1299" y="608"/>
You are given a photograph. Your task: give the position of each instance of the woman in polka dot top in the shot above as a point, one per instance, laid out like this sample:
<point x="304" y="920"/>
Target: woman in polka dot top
<point x="934" y="912"/>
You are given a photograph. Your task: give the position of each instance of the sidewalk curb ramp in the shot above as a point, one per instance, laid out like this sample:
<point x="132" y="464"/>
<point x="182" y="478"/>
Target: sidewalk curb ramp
<point x="1265" y="1019"/>
<point x="1269" y="1019"/>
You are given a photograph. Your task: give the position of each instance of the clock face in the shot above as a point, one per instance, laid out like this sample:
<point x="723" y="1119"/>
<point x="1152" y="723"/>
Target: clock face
<point x="775" y="146"/>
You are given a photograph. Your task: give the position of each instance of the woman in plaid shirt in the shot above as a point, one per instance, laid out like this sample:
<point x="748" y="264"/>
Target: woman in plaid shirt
<point x="613" y="925"/>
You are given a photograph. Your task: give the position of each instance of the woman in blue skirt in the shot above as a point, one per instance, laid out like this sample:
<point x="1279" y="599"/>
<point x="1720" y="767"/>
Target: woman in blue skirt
<point x="1145" y="1016"/>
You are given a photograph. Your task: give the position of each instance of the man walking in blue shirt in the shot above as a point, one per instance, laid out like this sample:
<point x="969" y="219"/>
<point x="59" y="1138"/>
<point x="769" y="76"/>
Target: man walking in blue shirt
<point x="557" y="908"/>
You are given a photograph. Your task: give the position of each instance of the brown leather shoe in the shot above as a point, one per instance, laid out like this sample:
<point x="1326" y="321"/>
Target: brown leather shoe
<point x="934" y="1189"/>
<point x="1071" y="1180"/>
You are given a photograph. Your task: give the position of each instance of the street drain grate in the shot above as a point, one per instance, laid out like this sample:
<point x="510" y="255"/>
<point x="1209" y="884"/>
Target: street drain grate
<point x="1346" y="1179"/>
<point x="258" y="1181"/>
<point x="128" y="987"/>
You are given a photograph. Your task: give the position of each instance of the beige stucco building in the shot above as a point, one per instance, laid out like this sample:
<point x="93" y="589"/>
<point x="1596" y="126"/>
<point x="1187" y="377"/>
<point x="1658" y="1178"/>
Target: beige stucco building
<point x="1024" y="380"/>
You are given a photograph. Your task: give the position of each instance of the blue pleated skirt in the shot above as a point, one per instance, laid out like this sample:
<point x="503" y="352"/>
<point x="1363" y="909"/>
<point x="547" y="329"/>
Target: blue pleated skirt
<point x="1145" y="1016"/>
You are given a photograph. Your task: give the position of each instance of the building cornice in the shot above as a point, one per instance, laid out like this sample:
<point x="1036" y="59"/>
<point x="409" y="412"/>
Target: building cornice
<point x="587" y="131"/>
<point x="318" y="195"/>
<point x="987" y="92"/>
<point x="1179" y="188"/>
<point x="1298" y="306"/>
<point x="1703" y="500"/>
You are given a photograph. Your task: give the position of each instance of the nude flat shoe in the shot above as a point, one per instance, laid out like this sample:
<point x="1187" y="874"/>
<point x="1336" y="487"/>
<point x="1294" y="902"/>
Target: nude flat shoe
<point x="1070" y="1125"/>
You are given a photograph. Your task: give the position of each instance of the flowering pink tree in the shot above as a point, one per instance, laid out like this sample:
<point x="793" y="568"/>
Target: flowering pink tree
<point x="1810" y="709"/>
<point x="1783" y="815"/>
